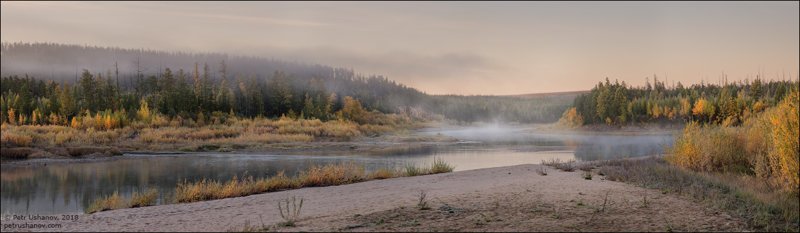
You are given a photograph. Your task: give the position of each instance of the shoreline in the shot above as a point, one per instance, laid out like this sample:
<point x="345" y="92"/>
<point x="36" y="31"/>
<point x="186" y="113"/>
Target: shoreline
<point x="512" y="198"/>
<point x="313" y="148"/>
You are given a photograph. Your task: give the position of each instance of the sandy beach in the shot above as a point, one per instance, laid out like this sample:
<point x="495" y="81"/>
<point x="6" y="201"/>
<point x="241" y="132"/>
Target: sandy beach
<point x="513" y="198"/>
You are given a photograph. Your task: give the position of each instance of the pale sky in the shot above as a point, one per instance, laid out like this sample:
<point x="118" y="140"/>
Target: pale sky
<point x="449" y="47"/>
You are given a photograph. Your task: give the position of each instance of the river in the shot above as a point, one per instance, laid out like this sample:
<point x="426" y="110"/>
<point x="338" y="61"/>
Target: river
<point x="70" y="187"/>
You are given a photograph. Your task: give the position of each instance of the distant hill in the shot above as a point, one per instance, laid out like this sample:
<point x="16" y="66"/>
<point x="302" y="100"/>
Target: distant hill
<point x="550" y="94"/>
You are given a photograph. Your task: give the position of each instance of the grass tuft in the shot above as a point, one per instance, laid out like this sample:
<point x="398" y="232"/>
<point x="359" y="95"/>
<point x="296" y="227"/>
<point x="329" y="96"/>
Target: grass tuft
<point x="290" y="213"/>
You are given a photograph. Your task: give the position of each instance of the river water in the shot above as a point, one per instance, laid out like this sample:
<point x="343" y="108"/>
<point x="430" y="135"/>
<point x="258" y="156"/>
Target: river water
<point x="70" y="187"/>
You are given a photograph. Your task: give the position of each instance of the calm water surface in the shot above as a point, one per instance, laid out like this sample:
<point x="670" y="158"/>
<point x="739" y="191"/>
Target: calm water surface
<point x="70" y="187"/>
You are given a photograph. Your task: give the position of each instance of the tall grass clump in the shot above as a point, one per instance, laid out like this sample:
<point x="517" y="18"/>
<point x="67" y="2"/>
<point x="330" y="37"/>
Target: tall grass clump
<point x="114" y="201"/>
<point x="275" y="183"/>
<point x="197" y="191"/>
<point x="147" y="198"/>
<point x="413" y="170"/>
<point x="440" y="166"/>
<point x="332" y="174"/>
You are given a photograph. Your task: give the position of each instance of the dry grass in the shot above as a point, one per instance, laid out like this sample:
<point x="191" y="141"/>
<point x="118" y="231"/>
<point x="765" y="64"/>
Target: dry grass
<point x="765" y="209"/>
<point x="384" y="173"/>
<point x="146" y="198"/>
<point x="197" y="191"/>
<point x="332" y="174"/>
<point x="567" y="166"/>
<point x="11" y="138"/>
<point x="160" y="133"/>
<point x="314" y="176"/>
<point x="115" y="201"/>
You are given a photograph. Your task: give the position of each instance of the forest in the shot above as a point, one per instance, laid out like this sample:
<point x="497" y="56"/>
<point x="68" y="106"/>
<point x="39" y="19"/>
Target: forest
<point x="727" y="104"/>
<point x="41" y="85"/>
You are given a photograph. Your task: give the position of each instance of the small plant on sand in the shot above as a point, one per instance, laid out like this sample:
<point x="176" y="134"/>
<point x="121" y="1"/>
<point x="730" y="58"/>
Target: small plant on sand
<point x="587" y="175"/>
<point x="423" y="203"/>
<point x="645" y="204"/>
<point x="542" y="170"/>
<point x="290" y="213"/>
<point x="253" y="228"/>
<point x="605" y="201"/>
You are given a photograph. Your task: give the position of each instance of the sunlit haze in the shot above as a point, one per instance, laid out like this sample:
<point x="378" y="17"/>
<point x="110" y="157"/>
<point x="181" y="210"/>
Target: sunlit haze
<point x="449" y="47"/>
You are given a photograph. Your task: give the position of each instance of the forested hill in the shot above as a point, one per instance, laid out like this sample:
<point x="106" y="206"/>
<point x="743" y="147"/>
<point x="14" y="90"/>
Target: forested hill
<point x="247" y="86"/>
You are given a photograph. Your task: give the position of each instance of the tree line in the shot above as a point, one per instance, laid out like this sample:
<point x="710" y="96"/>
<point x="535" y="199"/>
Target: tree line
<point x="117" y="79"/>
<point x="727" y="104"/>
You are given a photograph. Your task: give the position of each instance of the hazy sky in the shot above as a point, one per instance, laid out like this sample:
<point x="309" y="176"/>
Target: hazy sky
<point x="449" y="47"/>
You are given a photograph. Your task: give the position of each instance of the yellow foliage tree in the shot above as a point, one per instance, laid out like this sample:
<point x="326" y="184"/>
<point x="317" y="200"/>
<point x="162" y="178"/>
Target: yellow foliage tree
<point x="785" y="153"/>
<point x="571" y="118"/>
<point x="12" y="116"/>
<point x="75" y="123"/>
<point x="144" y="113"/>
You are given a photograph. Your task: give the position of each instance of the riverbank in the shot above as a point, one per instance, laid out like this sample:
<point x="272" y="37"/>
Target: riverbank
<point x="287" y="136"/>
<point x="514" y="198"/>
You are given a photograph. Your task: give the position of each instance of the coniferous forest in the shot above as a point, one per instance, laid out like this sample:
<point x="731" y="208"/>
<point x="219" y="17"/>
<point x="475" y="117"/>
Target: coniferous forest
<point x="117" y="83"/>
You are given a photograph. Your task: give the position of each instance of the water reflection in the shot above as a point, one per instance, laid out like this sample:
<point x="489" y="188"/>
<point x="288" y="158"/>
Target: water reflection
<point x="69" y="187"/>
